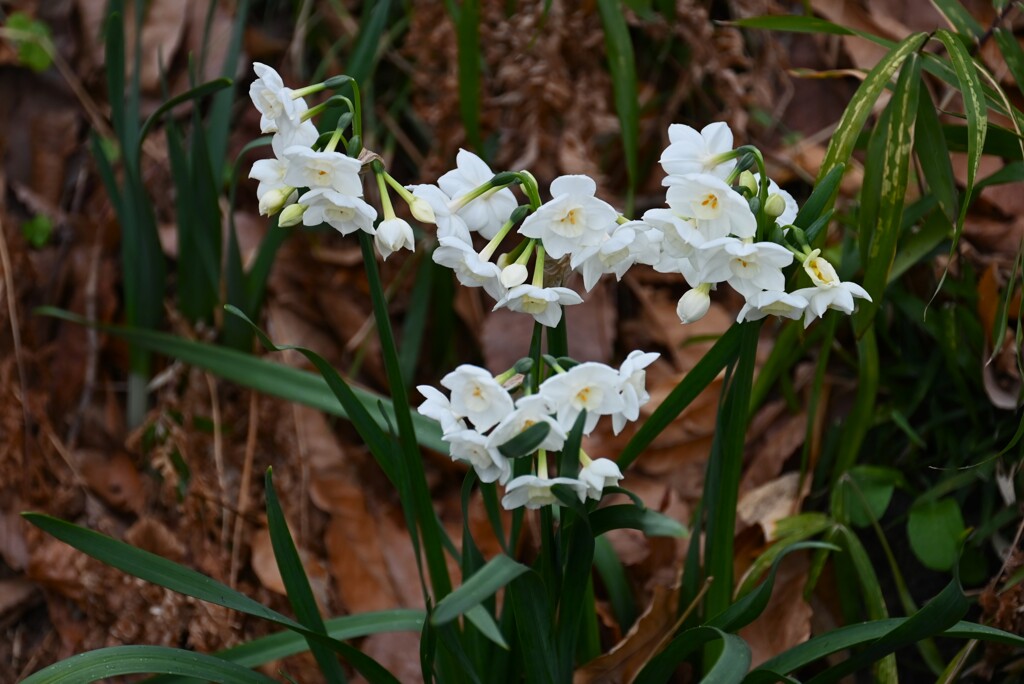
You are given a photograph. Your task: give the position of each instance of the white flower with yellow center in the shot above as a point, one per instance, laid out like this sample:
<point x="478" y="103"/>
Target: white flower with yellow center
<point x="748" y="266"/>
<point x="717" y="208"/>
<point x="611" y="256"/>
<point x="829" y="292"/>
<point x="273" y="100"/>
<point x="590" y="386"/>
<point x="572" y="220"/>
<point x="271" y="172"/>
<point x="535" y="492"/>
<point x="487" y="213"/>
<point x="308" y="168"/>
<point x="469" y="446"/>
<point x="690" y="151"/>
<point x="543" y="303"/>
<point x="448" y="224"/>
<point x="478" y="396"/>
<point x="470" y="269"/>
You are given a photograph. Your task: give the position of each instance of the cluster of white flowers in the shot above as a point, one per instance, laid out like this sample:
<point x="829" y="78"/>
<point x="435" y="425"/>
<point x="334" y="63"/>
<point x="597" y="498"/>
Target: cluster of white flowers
<point x="480" y="416"/>
<point x="332" y="190"/>
<point x="706" y="234"/>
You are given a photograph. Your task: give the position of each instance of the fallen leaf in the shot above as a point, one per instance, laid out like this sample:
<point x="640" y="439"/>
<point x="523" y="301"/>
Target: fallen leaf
<point x="113" y="477"/>
<point x="264" y="565"/>
<point x="772" y="502"/>
<point x="786" y="621"/>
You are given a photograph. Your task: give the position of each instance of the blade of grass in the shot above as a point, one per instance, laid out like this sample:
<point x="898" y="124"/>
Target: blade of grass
<point x="696" y="380"/>
<point x="467" y="39"/>
<point x="497" y="573"/>
<point x="132" y="660"/>
<point x="899" y="140"/>
<point x="196" y="93"/>
<point x="622" y="66"/>
<point x="296" y="584"/>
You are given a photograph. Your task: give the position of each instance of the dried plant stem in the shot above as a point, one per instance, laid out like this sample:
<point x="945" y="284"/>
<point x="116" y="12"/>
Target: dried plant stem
<point x="19" y="359"/>
<point x="243" y="489"/>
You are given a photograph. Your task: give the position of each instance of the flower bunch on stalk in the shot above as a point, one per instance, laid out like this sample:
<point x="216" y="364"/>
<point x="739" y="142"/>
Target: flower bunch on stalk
<point x="481" y="421"/>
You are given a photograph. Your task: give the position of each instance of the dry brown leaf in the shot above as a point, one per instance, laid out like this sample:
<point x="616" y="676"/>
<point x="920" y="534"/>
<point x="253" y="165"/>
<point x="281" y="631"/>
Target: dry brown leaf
<point x="640" y="644"/>
<point x="357" y="562"/>
<point x="398" y="652"/>
<point x="162" y="30"/>
<point x="771" y="502"/>
<point x="265" y="566"/>
<point x="113" y="477"/>
<point x="149" y="534"/>
<point x="13" y="549"/>
<point x="15" y="595"/>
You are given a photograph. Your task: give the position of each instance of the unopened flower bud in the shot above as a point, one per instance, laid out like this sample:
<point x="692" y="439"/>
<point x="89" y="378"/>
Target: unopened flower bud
<point x="514" y="274"/>
<point x="273" y="201"/>
<point x="694" y="304"/>
<point x="291" y="215"/>
<point x="502" y="261"/>
<point x="392" y="235"/>
<point x="748" y="181"/>
<point x="421" y="210"/>
<point x="775" y="206"/>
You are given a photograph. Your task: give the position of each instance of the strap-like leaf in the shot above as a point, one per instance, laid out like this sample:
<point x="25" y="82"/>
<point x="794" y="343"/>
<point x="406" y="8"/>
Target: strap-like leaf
<point x="498" y="572"/>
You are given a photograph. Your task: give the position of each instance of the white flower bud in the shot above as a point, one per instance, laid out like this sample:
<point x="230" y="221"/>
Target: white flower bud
<point x="694" y="304"/>
<point x="421" y="210"/>
<point x="775" y="206"/>
<point x="514" y="274"/>
<point x="392" y="235"/>
<point x="291" y="215"/>
<point x="273" y="201"/>
<point x="748" y="181"/>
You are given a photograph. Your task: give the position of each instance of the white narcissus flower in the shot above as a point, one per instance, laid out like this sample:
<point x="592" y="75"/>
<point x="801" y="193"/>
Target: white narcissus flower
<point x="477" y="396"/>
<point x="828" y="292"/>
<point x="646" y="245"/>
<point x="543" y="303"/>
<point x="633" y="387"/>
<point x="611" y="256"/>
<point x="748" y="266"/>
<point x="589" y="386"/>
<point x="692" y="152"/>
<point x="271" y="172"/>
<point x="273" y="100"/>
<point x="470" y="269"/>
<point x="772" y="303"/>
<point x="392" y="235"/>
<point x="485" y="214"/>
<point x="718" y="209"/>
<point x="345" y="213"/>
<point x="530" y="410"/>
<point x="469" y="446"/>
<point x="308" y="168"/>
<point x="535" y="492"/>
<point x="439" y="408"/>
<point x="598" y="474"/>
<point x="448" y="224"/>
<point x="572" y="220"/>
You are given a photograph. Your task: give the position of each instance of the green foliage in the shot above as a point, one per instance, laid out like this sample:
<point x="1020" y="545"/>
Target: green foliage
<point x="37" y="230"/>
<point x="33" y="39"/>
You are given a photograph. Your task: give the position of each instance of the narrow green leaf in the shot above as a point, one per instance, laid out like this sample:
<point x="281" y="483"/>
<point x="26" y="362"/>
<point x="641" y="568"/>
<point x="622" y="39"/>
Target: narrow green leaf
<point x="794" y="23"/>
<point x="698" y="378"/>
<point x="750" y="607"/>
<point x="960" y="19"/>
<point x="264" y="376"/>
<point x="153" y="568"/>
<point x="977" y="122"/>
<point x="857" y="111"/>
<point x="821" y="198"/>
<point x="938" y="615"/>
<point x="196" y="93"/>
<point x="1013" y="55"/>
<point x="482" y="620"/>
<point x="731" y="665"/>
<point x="863" y="493"/>
<point x="849" y="636"/>
<point x="932" y="151"/>
<point x="526" y="442"/>
<point x="532" y="610"/>
<point x="622" y="66"/>
<point x="467" y="40"/>
<point x="628" y="516"/>
<point x="130" y="660"/>
<point x="498" y="572"/>
<point x="616" y="584"/>
<point x="899" y="139"/>
<point x="296" y="584"/>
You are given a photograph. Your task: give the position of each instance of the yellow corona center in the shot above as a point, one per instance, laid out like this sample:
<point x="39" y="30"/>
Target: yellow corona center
<point x="711" y="200"/>
<point x="572" y="218"/>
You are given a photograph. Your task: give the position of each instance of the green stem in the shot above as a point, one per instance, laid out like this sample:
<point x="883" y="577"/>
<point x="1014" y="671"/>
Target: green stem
<point x="411" y="460"/>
